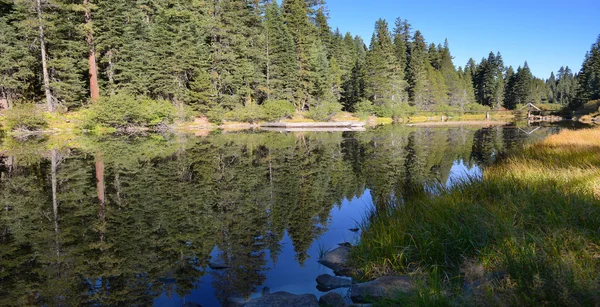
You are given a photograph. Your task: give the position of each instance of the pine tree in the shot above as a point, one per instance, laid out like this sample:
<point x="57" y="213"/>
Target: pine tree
<point x="354" y="86"/>
<point x="417" y="70"/>
<point x="456" y="88"/>
<point x="489" y="81"/>
<point x="510" y="80"/>
<point x="401" y="43"/>
<point x="551" y="85"/>
<point x="566" y="87"/>
<point x="519" y="88"/>
<point x="383" y="78"/>
<point x="324" y="33"/>
<point x="281" y="65"/>
<point x="17" y="63"/>
<point x="589" y="76"/>
<point x="296" y="17"/>
<point x="235" y="67"/>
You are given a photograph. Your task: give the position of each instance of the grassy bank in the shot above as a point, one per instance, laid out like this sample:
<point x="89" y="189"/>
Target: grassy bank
<point x="527" y="233"/>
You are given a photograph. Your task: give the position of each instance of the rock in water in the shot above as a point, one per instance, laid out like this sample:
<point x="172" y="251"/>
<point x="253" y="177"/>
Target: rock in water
<point x="332" y="299"/>
<point x="336" y="259"/>
<point x="284" y="299"/>
<point x="384" y="287"/>
<point x="266" y="290"/>
<point x="327" y="282"/>
<point x="234" y="301"/>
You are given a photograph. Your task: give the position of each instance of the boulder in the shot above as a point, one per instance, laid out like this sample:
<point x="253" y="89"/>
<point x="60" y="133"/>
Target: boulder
<point x="381" y="288"/>
<point x="332" y="299"/>
<point x="336" y="259"/>
<point x="327" y="282"/>
<point x="284" y="299"/>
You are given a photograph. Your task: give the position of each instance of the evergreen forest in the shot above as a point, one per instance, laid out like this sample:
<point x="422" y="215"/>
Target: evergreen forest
<point x="211" y="57"/>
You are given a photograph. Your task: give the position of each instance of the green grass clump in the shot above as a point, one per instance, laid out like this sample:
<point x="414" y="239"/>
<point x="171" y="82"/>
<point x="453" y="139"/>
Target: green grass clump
<point x="532" y="222"/>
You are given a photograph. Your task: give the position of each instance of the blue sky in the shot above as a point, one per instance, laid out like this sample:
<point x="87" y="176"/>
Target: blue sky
<point x="546" y="34"/>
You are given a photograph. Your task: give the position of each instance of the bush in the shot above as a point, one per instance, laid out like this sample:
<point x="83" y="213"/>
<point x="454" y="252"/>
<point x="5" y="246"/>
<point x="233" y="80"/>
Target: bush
<point x="364" y="107"/>
<point x="474" y="107"/>
<point x="122" y="111"/>
<point x="324" y="111"/>
<point x="247" y="114"/>
<point x="216" y="115"/>
<point x="27" y="117"/>
<point x="394" y="111"/>
<point x="277" y="109"/>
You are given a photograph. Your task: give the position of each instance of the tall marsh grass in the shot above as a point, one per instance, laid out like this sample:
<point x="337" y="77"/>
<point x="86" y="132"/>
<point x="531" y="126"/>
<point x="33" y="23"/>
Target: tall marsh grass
<point x="532" y="222"/>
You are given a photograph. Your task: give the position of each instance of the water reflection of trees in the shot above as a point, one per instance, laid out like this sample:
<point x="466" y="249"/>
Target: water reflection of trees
<point x="118" y="221"/>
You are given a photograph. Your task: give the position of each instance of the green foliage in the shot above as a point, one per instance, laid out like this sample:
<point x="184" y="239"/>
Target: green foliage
<point x="364" y="107"/>
<point x="233" y="53"/>
<point x="216" y="115"/>
<point x="122" y="111"/>
<point x="589" y="76"/>
<point x="324" y="111"/>
<point x="394" y="111"/>
<point x="277" y="109"/>
<point x="474" y="107"/>
<point x="249" y="114"/>
<point x="24" y="117"/>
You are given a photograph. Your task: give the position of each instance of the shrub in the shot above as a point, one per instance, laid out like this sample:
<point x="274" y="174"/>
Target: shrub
<point x="121" y="111"/>
<point x="394" y="111"/>
<point x="277" y="109"/>
<point x="474" y="107"/>
<point x="26" y="117"/>
<point x="324" y="111"/>
<point x="247" y="114"/>
<point x="364" y="107"/>
<point x="216" y="115"/>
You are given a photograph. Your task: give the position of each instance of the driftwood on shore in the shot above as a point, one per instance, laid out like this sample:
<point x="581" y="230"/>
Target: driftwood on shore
<point x="314" y="125"/>
<point x="317" y="129"/>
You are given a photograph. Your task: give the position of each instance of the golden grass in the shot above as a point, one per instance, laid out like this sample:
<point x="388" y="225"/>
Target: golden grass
<point x="576" y="138"/>
<point x="534" y="216"/>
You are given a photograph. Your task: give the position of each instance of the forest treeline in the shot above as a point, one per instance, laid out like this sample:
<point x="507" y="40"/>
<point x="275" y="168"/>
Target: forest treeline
<point x="216" y="56"/>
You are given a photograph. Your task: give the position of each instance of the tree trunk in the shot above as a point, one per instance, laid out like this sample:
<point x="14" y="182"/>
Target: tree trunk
<point x="54" y="168"/>
<point x="101" y="192"/>
<point x="4" y="100"/>
<point x="49" y="98"/>
<point x="93" y="69"/>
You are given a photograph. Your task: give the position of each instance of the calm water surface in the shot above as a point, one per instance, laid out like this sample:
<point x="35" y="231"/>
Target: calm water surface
<point x="137" y="220"/>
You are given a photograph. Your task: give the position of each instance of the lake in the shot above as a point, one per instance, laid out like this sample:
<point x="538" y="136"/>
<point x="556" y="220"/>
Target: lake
<point x="141" y="219"/>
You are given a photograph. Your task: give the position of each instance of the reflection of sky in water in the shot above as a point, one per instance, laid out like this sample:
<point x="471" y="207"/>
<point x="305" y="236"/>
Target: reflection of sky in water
<point x="460" y="172"/>
<point x="288" y="275"/>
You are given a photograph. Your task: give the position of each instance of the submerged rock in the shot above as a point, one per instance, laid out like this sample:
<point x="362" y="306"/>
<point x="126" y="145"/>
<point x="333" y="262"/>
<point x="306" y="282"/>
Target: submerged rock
<point x="217" y="266"/>
<point x="381" y="288"/>
<point x="332" y="299"/>
<point x="284" y="299"/>
<point x="234" y="301"/>
<point x="327" y="282"/>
